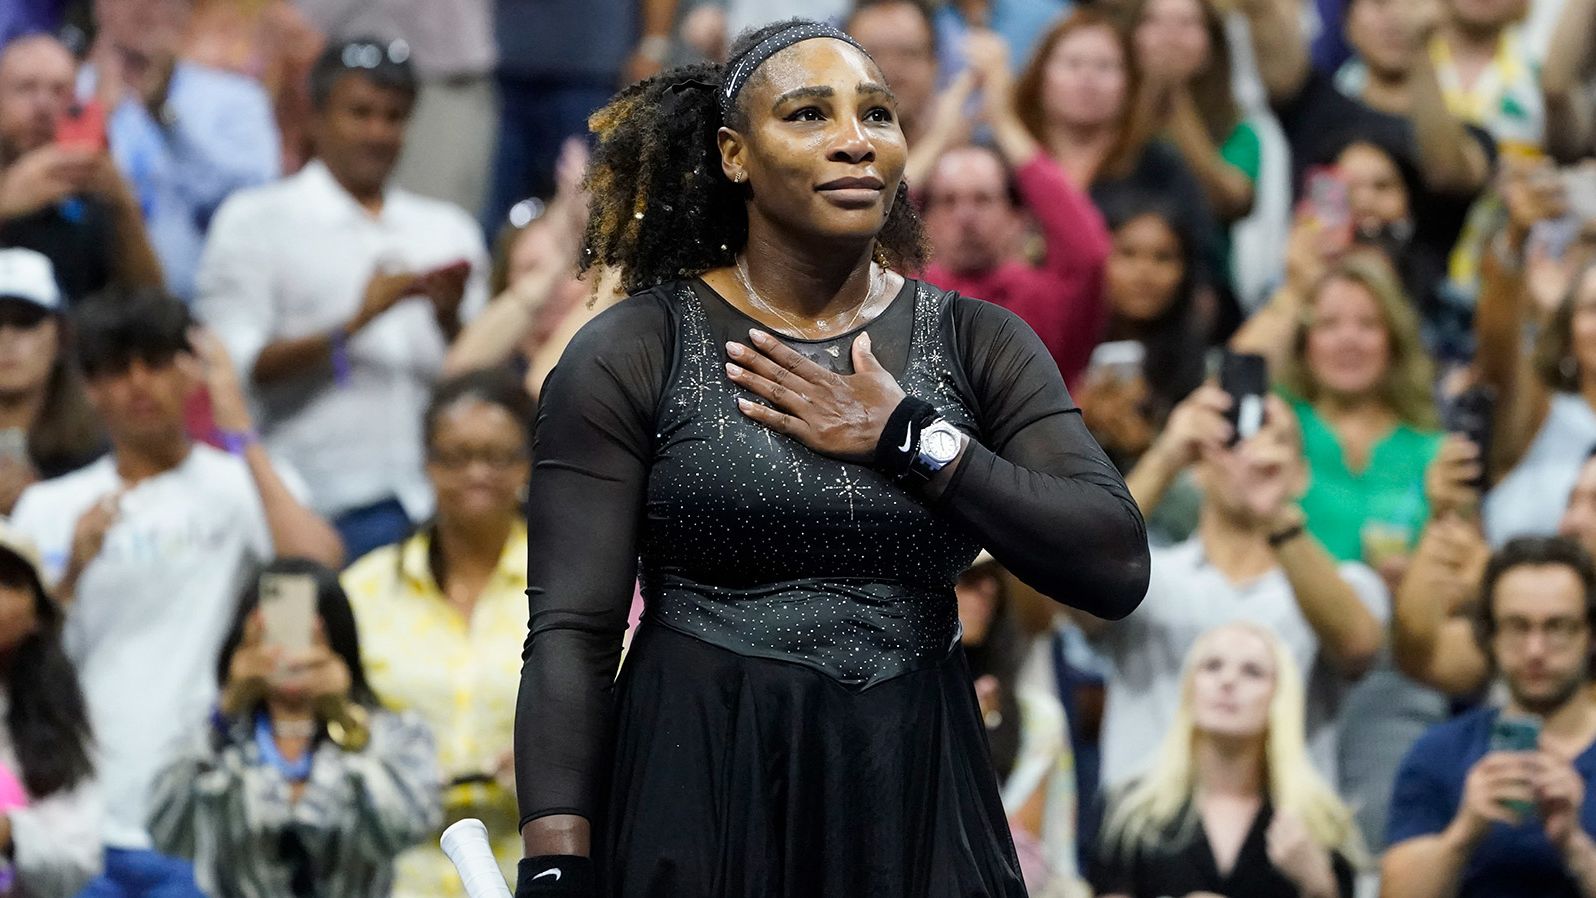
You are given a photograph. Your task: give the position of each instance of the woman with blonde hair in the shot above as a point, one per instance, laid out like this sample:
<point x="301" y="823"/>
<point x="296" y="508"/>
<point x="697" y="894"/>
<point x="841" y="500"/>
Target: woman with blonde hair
<point x="1233" y="806"/>
<point x="1356" y="374"/>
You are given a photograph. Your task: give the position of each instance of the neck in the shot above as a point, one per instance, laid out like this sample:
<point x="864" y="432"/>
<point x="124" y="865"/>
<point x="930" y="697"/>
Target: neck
<point x="1574" y="719"/>
<point x="1473" y="43"/>
<point x="1234" y="547"/>
<point x="472" y="545"/>
<point x="1229" y="766"/>
<point x="1343" y="407"/>
<point x="790" y="275"/>
<point x="1388" y="92"/>
<point x="1081" y="150"/>
<point x="21" y="409"/>
<point x="136" y="462"/>
<point x="369" y="196"/>
<point x="284" y="711"/>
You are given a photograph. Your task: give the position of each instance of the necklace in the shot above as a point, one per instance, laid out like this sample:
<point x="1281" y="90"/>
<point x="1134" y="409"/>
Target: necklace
<point x="877" y="284"/>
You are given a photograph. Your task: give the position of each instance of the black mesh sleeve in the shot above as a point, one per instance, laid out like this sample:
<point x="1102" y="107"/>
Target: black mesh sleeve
<point x="1041" y="494"/>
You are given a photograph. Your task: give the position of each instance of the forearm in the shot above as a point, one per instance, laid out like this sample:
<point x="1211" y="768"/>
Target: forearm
<point x="1278" y="46"/>
<point x="1569" y="55"/>
<point x="134" y="262"/>
<point x="1452" y="161"/>
<point x="493" y="337"/>
<point x="1580" y="856"/>
<point x="1269" y="331"/>
<point x="1228" y="189"/>
<point x="293" y="358"/>
<point x="296" y="531"/>
<point x="1425" y="867"/>
<point x="1076" y="237"/>
<point x="658" y="16"/>
<point x="1152" y="477"/>
<point x="1349" y="633"/>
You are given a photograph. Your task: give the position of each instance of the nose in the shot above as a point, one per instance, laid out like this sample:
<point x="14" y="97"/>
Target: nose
<point x="852" y="145"/>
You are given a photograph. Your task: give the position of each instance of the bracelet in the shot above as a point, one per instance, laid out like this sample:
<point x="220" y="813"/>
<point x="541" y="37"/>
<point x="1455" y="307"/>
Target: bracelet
<point x="899" y="443"/>
<point x="237" y="442"/>
<point x="1281" y="537"/>
<point x="350" y="728"/>
<point x="339" y="340"/>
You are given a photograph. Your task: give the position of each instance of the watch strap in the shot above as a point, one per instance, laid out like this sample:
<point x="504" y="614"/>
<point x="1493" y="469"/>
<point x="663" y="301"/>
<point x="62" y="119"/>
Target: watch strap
<point x="899" y="444"/>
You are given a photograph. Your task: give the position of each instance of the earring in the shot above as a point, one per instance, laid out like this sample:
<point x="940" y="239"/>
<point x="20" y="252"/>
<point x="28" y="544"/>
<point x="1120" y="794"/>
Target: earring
<point x="741" y="177"/>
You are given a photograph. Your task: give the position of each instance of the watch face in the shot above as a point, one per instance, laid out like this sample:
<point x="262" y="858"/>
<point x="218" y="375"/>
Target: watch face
<point x="940" y="443"/>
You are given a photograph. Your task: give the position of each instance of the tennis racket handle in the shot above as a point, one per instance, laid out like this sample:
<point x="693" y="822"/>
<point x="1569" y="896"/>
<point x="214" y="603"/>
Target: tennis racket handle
<point x="466" y="843"/>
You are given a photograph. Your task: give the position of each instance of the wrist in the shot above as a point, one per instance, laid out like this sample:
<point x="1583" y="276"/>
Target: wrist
<point x="236" y="441"/>
<point x="1285" y="526"/>
<point x="555" y="875"/>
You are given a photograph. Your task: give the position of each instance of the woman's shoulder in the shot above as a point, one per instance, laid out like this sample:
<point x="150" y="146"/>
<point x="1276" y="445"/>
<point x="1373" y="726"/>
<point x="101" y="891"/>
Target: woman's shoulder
<point x="630" y="336"/>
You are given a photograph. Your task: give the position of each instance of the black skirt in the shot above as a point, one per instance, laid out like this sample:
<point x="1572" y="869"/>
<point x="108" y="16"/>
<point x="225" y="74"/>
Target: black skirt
<point x="739" y="777"/>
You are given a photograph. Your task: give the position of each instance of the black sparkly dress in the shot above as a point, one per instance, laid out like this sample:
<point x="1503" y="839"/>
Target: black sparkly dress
<point x="794" y="718"/>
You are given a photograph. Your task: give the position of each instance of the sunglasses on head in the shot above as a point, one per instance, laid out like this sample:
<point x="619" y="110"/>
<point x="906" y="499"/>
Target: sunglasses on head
<point x="370" y="55"/>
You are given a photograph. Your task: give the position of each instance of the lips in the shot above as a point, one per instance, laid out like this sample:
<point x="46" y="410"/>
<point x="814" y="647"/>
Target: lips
<point x="865" y="183"/>
<point x="852" y="193"/>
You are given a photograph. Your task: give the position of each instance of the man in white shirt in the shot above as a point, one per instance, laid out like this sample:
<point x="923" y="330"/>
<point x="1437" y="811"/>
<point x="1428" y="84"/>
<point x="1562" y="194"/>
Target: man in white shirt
<point x="337" y="295"/>
<point x="1250" y="560"/>
<point x="149" y="547"/>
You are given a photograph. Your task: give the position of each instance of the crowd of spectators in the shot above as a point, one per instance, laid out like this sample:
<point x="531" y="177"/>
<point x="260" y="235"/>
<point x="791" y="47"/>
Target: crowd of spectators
<point x="280" y="282"/>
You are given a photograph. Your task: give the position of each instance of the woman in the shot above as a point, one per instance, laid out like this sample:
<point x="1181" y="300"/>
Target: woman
<point x="300" y="784"/>
<point x="1545" y="418"/>
<point x="1026" y="728"/>
<point x="1233" y="807"/>
<point x="49" y="810"/>
<point x="1152" y="302"/>
<point x="46" y="425"/>
<point x="441" y="613"/>
<point x="794" y="717"/>
<point x="1361" y="385"/>
<point x="1075" y="98"/>
<point x="1184" y="59"/>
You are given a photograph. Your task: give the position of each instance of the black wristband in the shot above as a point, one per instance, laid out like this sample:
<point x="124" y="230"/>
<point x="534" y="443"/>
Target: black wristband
<point x="900" y="439"/>
<point x="555" y="876"/>
<point x="1280" y="538"/>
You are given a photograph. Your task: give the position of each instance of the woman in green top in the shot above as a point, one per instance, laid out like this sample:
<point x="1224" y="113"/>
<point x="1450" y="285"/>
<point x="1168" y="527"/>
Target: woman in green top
<point x="1184" y="61"/>
<point x="1361" y="385"/>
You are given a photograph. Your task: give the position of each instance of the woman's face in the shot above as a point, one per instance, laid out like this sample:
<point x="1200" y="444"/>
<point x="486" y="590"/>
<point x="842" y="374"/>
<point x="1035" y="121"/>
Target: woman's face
<point x="29" y="341"/>
<point x="477" y="461"/>
<point x="1233" y="682"/>
<point x="1376" y="194"/>
<point x="824" y="154"/>
<point x="977" y="593"/>
<point x="1084" y="82"/>
<point x="1583" y="325"/>
<point x="1349" y="346"/>
<point x="1145" y="268"/>
<point x="1172" y="39"/>
<point x="19" y="615"/>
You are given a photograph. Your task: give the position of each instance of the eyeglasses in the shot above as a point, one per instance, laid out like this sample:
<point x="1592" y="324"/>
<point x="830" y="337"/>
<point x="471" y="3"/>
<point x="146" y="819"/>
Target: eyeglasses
<point x="460" y="459"/>
<point x="1559" y="632"/>
<point x="369" y="55"/>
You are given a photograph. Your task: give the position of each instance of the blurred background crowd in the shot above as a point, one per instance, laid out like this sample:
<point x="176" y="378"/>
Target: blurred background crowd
<point x="280" y="281"/>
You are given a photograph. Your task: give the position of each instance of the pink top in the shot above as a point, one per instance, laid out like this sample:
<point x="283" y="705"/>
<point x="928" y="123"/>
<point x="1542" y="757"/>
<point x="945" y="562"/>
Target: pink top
<point x="1062" y="300"/>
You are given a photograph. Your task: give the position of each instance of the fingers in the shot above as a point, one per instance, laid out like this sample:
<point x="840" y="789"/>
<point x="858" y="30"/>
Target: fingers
<point x="767" y="379"/>
<point x="773" y="419"/>
<point x="791" y="359"/>
<point x="254" y="629"/>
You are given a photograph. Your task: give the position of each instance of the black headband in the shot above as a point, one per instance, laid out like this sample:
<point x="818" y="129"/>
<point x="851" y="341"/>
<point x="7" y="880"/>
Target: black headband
<point x="738" y="72"/>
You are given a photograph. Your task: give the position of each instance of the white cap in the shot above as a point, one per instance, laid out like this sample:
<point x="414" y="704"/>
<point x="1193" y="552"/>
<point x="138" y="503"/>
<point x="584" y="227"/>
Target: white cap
<point x="29" y="276"/>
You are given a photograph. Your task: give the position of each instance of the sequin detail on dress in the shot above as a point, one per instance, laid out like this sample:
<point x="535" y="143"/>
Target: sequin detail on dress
<point x="756" y="544"/>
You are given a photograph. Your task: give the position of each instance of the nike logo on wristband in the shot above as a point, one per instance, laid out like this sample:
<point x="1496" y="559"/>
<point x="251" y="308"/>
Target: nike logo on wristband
<point x="907" y="438"/>
<point x="554" y="870"/>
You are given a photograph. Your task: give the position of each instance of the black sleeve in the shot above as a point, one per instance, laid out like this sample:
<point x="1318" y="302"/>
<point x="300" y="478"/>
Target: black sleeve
<point x="590" y="469"/>
<point x="1346" y="878"/>
<point x="1041" y="495"/>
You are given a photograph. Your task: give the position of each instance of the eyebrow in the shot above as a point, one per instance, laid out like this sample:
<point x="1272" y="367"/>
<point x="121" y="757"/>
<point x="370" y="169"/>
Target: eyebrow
<point x="823" y="92"/>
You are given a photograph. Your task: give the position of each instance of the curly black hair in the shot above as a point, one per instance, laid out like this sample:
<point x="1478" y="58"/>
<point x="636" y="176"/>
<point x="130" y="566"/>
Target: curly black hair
<point x="661" y="206"/>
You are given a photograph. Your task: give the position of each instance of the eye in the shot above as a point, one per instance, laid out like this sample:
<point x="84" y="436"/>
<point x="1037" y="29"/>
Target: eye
<point x="879" y="114"/>
<point x="806" y="114"/>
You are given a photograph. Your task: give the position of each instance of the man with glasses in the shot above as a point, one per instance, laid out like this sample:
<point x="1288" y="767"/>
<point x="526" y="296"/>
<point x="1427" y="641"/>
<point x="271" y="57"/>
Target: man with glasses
<point x="1492" y="803"/>
<point x="338" y="293"/>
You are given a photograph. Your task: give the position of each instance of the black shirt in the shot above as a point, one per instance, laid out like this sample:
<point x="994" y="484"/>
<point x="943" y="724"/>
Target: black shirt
<point x="77" y="236"/>
<point x="1180" y="866"/>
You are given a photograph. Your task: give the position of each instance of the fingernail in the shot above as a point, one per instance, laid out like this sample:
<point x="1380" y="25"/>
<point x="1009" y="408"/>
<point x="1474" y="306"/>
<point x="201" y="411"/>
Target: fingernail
<point x="733" y="370"/>
<point x="864" y="338"/>
<point x="758" y="335"/>
<point x="734" y="349"/>
<point x="744" y="404"/>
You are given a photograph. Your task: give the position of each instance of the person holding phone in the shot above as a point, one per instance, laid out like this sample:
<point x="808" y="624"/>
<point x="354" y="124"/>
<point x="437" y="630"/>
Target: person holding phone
<point x="442" y="612"/>
<point x="1482" y="806"/>
<point x="337" y="294"/>
<point x="59" y="196"/>
<point x="300" y="783"/>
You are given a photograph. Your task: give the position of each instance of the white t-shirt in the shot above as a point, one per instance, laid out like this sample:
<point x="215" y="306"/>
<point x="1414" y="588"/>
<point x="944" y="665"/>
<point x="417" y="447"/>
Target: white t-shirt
<point x="1529" y="501"/>
<point x="292" y="259"/>
<point x="152" y="609"/>
<point x="1186" y="598"/>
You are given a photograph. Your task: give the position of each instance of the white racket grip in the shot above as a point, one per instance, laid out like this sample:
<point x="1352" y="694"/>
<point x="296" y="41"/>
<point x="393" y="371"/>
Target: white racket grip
<point x="466" y="843"/>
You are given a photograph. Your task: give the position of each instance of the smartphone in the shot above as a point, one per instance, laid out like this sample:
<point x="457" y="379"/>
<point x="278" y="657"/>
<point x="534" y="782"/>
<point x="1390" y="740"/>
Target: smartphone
<point x="1245" y="377"/>
<point x="1117" y="360"/>
<point x="1516" y="732"/>
<point x="288" y="607"/>
<point x="1327" y="198"/>
<point x="1470" y="414"/>
<point x="83" y="127"/>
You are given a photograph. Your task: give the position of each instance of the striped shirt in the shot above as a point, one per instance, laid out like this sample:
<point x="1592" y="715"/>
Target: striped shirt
<point x="234" y="814"/>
